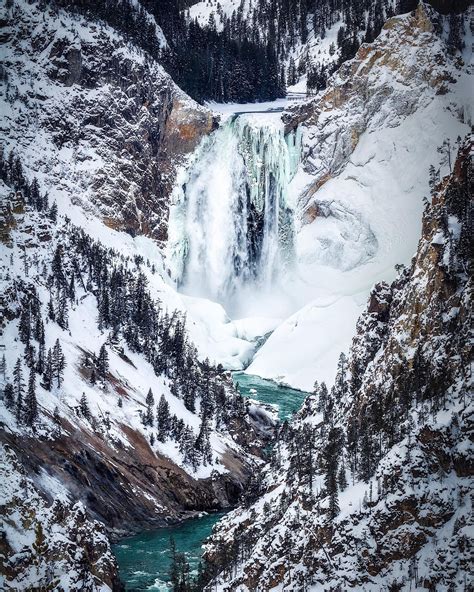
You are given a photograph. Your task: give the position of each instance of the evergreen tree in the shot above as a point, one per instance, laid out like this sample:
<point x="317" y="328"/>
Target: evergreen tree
<point x="84" y="407"/>
<point x="48" y="371"/>
<point x="18" y="386"/>
<point x="51" y="312"/>
<point x="57" y="267"/>
<point x="187" y="449"/>
<point x="53" y="213"/>
<point x="62" y="314"/>
<point x="24" y="327"/>
<point x="202" y="443"/>
<point x="163" y="419"/>
<point x="103" y="362"/>
<point x="323" y="398"/>
<point x="31" y="405"/>
<point x="331" y="455"/>
<point x="40" y="363"/>
<point x="9" y="396"/>
<point x="58" y="363"/>
<point x="72" y="288"/>
<point x="150" y="400"/>
<point x="3" y="367"/>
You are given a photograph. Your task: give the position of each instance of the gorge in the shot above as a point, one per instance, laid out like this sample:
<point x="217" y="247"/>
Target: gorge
<point x="243" y="325"/>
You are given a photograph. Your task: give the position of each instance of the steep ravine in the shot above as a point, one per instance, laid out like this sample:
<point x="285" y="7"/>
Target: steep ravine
<point x="145" y="560"/>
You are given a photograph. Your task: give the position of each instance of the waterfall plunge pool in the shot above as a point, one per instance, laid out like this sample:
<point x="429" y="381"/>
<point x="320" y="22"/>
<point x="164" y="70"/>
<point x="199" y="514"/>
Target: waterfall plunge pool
<point x="144" y="560"/>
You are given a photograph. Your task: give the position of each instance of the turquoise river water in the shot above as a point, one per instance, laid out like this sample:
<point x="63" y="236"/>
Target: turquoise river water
<point x="144" y="560"/>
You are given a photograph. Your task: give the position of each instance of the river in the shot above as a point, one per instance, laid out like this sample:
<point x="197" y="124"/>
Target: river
<point x="144" y="560"/>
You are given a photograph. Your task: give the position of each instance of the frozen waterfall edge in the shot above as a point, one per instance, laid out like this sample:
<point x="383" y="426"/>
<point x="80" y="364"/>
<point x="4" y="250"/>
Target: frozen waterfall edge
<point x="231" y="227"/>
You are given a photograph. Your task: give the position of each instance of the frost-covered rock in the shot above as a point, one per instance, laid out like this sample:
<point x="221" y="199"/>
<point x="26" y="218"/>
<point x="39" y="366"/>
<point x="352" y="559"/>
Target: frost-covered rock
<point x="96" y="119"/>
<point x="49" y="544"/>
<point x="407" y="67"/>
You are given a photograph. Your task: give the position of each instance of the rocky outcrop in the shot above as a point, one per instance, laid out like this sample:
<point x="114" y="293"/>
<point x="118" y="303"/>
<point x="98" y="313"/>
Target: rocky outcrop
<point x="100" y="123"/>
<point x="399" y="421"/>
<point x="402" y="71"/>
<point x="51" y="545"/>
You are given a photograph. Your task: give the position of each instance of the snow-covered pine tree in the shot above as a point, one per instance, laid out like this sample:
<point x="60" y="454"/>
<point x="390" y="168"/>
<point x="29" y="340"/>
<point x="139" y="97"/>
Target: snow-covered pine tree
<point x="19" y="387"/>
<point x="163" y="419"/>
<point x="103" y="362"/>
<point x="30" y="412"/>
<point x="58" y="363"/>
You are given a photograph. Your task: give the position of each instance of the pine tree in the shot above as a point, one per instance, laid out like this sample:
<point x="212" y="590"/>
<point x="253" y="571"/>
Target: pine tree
<point x="163" y="419"/>
<point x="323" y="398"/>
<point x="84" y="407"/>
<point x="58" y="363"/>
<point x="57" y="267"/>
<point x="147" y="417"/>
<point x="202" y="443"/>
<point x="331" y="455"/>
<point x="24" y="327"/>
<point x="72" y="288"/>
<point x="186" y="447"/>
<point x="3" y="367"/>
<point x="150" y="400"/>
<point x="53" y="213"/>
<point x="9" y="396"/>
<point x="103" y="362"/>
<point x="40" y="363"/>
<point x="48" y="371"/>
<point x="19" y="386"/>
<point x="62" y="314"/>
<point x="30" y="354"/>
<point x="51" y="312"/>
<point x="31" y="405"/>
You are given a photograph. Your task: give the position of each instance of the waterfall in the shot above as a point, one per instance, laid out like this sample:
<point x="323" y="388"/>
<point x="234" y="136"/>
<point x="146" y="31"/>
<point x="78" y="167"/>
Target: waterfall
<point x="230" y="226"/>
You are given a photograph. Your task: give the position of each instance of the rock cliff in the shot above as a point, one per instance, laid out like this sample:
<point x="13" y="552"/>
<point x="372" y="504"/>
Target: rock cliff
<point x="95" y="118"/>
<point x="49" y="545"/>
<point x="406" y="68"/>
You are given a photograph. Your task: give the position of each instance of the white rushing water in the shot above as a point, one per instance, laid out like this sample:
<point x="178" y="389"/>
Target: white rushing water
<point x="231" y="227"/>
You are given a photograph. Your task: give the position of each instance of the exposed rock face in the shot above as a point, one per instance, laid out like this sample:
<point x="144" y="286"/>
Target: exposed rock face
<point x="403" y="70"/>
<point x="99" y="119"/>
<point x="127" y="488"/>
<point x="53" y="546"/>
<point x="400" y="418"/>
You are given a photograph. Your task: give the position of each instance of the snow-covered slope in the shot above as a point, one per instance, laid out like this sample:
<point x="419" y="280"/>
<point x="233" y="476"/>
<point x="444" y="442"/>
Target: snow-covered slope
<point x="93" y="405"/>
<point x="369" y="488"/>
<point x="368" y="143"/>
<point x="64" y="291"/>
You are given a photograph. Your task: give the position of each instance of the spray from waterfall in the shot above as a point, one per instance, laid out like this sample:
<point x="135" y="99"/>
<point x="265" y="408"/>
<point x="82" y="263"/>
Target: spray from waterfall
<point x="231" y="227"/>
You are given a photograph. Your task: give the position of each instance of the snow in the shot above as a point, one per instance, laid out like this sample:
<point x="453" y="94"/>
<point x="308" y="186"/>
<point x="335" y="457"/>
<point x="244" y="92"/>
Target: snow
<point x="134" y="376"/>
<point x="377" y="198"/>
